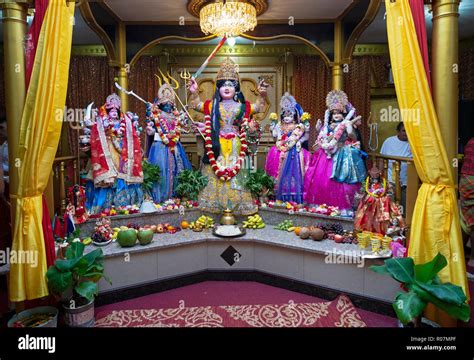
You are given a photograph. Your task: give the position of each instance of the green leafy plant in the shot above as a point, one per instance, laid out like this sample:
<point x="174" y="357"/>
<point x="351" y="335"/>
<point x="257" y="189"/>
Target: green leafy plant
<point x="190" y="183"/>
<point x="424" y="286"/>
<point x="151" y="175"/>
<point x="74" y="235"/>
<point x="259" y="182"/>
<point x="77" y="272"/>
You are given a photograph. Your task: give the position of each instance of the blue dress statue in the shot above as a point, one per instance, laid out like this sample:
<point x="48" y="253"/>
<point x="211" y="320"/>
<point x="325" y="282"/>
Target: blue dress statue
<point x="164" y="130"/>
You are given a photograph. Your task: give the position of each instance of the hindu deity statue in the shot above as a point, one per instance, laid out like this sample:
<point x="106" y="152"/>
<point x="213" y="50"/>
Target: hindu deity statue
<point x="228" y="118"/>
<point x="376" y="209"/>
<point x="76" y="206"/>
<point x="164" y="127"/>
<point x="337" y="167"/>
<point x="115" y="168"/>
<point x="287" y="161"/>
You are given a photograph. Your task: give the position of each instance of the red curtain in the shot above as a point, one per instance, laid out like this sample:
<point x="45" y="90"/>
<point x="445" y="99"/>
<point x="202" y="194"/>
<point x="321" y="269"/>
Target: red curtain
<point x="33" y="36"/>
<point x="418" y="13"/>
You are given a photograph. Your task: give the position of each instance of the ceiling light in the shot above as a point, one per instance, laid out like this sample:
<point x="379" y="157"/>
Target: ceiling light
<point x="231" y="41"/>
<point x="228" y="18"/>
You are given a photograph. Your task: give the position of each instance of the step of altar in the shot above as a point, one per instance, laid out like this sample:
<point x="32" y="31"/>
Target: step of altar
<point x="324" y="264"/>
<point x="271" y="216"/>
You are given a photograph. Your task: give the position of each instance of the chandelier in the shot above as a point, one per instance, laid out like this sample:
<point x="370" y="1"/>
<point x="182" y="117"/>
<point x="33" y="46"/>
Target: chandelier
<point x="228" y="18"/>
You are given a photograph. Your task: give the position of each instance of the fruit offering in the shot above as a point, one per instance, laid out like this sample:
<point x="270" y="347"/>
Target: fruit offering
<point x="127" y="237"/>
<point x="254" y="222"/>
<point x="102" y="231"/>
<point x="203" y="222"/>
<point x="145" y="236"/>
<point x="311" y="232"/>
<point x="165" y="228"/>
<point x="286" y="225"/>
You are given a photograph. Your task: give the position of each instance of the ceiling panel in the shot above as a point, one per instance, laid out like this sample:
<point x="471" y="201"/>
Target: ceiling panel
<point x="165" y="10"/>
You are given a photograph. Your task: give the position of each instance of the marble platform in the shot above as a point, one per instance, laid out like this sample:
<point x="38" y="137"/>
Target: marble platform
<point x="270" y="217"/>
<point x="339" y="267"/>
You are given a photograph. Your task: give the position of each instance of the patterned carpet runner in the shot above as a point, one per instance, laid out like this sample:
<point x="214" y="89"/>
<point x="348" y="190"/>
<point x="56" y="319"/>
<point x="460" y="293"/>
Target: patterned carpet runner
<point x="337" y="313"/>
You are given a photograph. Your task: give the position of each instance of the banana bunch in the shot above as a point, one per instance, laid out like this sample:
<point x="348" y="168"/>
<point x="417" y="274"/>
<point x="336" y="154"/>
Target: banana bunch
<point x="286" y="225"/>
<point x="254" y="222"/>
<point x="87" y="241"/>
<point x="204" y="222"/>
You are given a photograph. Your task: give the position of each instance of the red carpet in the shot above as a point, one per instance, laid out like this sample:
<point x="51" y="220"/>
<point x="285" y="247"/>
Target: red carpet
<point x="222" y="303"/>
<point x="337" y="313"/>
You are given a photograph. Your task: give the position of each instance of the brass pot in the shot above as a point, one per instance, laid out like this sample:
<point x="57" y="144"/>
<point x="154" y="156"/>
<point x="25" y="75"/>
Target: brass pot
<point x="228" y="218"/>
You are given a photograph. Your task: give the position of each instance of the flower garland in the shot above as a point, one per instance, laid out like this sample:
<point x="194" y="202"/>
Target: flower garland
<point x="286" y="143"/>
<point x="378" y="192"/>
<point x="171" y="137"/>
<point x="225" y="173"/>
<point x="328" y="141"/>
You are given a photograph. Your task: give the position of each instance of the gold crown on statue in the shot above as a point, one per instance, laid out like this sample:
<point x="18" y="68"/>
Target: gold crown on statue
<point x="337" y="100"/>
<point x="113" y="102"/>
<point x="229" y="70"/>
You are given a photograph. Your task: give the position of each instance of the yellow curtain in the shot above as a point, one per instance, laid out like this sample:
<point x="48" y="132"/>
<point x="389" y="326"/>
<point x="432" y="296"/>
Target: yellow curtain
<point x="40" y="131"/>
<point x="435" y="224"/>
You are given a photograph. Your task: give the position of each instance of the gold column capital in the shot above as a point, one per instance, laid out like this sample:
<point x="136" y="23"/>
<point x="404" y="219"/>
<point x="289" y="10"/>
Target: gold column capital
<point x="442" y="8"/>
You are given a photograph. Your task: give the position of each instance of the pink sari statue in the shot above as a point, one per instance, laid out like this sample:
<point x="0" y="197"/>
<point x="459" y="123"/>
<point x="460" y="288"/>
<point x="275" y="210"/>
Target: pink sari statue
<point x="337" y="167"/>
<point x="287" y="161"/>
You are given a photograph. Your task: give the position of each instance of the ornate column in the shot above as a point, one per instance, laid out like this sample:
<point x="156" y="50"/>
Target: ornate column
<point x="122" y="69"/>
<point x="445" y="52"/>
<point x="337" y="75"/>
<point x="14" y="32"/>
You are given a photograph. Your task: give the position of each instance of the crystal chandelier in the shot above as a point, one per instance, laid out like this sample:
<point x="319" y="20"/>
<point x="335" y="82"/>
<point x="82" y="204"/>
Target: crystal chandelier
<point x="228" y="18"/>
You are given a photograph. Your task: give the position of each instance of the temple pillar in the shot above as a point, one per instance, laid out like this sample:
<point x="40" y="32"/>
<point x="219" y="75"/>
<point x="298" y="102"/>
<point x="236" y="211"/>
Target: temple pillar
<point x="337" y="73"/>
<point x="445" y="53"/>
<point x="122" y="69"/>
<point x="14" y="33"/>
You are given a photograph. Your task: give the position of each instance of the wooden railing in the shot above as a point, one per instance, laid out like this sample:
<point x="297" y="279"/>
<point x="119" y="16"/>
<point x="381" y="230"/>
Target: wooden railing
<point x="413" y="181"/>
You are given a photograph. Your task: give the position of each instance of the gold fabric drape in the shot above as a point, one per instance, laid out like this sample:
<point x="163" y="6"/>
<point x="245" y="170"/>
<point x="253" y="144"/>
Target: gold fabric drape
<point x="91" y="79"/>
<point x="143" y="81"/>
<point x="466" y="68"/>
<point x="435" y="224"/>
<point x="3" y="112"/>
<point x="311" y="83"/>
<point x="379" y="67"/>
<point x="357" y="88"/>
<point x="40" y="131"/>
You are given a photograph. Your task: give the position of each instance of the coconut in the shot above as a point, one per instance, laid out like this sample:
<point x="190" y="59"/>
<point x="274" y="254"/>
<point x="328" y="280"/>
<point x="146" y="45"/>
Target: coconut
<point x="305" y="233"/>
<point x="317" y="234"/>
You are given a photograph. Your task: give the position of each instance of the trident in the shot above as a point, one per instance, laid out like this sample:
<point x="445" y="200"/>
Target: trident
<point x="185" y="75"/>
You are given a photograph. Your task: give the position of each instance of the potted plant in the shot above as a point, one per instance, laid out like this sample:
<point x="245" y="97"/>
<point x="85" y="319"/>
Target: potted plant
<point x="74" y="279"/>
<point x="190" y="183"/>
<point x="423" y="286"/>
<point x="151" y="176"/>
<point x="260" y="184"/>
